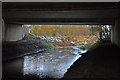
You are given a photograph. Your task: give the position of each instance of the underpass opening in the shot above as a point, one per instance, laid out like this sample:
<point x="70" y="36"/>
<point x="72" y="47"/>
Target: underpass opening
<point x="67" y="35"/>
<point x="49" y="51"/>
<point x="64" y="43"/>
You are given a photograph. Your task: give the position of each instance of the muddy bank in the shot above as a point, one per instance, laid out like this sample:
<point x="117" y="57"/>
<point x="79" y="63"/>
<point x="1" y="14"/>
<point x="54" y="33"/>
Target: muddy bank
<point x="12" y="49"/>
<point x="101" y="61"/>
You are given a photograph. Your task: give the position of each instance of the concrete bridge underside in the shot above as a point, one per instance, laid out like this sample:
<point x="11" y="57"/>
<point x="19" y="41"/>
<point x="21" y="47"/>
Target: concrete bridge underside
<point x="15" y="14"/>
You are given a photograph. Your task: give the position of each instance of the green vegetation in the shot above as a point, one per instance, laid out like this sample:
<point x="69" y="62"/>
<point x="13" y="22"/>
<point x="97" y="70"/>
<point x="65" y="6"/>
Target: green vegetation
<point x="63" y="35"/>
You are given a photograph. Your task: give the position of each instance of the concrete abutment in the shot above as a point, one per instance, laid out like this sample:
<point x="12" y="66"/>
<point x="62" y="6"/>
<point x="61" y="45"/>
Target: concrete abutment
<point x="115" y="36"/>
<point x="12" y="32"/>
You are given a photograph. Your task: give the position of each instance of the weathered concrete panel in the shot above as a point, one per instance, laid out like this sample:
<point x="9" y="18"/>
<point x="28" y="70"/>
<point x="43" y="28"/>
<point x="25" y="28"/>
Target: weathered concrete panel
<point x="14" y="32"/>
<point x="115" y="32"/>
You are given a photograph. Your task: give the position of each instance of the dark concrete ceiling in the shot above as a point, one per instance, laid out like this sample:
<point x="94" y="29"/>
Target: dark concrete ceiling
<point x="60" y="12"/>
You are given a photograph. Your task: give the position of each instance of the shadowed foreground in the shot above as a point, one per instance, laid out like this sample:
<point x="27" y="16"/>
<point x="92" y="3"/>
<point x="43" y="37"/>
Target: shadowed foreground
<point x="101" y="61"/>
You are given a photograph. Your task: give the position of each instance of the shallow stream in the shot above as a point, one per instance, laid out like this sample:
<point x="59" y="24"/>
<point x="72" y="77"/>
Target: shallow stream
<point x="52" y="63"/>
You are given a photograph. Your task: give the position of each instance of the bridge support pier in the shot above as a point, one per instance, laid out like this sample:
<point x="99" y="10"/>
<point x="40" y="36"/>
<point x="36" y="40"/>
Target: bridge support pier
<point x="13" y="32"/>
<point x="115" y="36"/>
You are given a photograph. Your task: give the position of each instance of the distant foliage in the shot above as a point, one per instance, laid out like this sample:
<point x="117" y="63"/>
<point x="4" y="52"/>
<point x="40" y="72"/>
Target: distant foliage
<point x="95" y="29"/>
<point x="60" y="30"/>
<point x="70" y="32"/>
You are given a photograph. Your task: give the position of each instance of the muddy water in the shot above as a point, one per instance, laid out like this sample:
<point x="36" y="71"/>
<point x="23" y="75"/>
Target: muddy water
<point x="52" y="63"/>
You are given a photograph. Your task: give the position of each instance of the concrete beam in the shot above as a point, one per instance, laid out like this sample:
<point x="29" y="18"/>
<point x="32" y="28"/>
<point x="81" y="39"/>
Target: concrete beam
<point x="58" y="6"/>
<point x="60" y="21"/>
<point x="82" y="16"/>
<point x="14" y="32"/>
<point x="62" y="14"/>
<point x="47" y="12"/>
<point x="61" y="0"/>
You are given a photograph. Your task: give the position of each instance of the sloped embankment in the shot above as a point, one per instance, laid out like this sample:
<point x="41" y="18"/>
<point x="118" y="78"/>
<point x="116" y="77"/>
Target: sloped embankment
<point x="13" y="49"/>
<point x="101" y="61"/>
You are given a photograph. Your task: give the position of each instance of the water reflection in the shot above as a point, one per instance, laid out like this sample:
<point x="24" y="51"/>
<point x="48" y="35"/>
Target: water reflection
<point x="53" y="63"/>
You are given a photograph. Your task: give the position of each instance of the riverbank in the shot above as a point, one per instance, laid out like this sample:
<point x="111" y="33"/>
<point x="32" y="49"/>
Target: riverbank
<point x="31" y="44"/>
<point x="14" y="49"/>
<point x="42" y="64"/>
<point x="100" y="61"/>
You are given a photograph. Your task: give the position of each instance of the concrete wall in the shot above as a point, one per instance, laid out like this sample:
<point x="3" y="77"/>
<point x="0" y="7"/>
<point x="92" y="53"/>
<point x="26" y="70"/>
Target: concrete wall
<point x="3" y="30"/>
<point x="115" y="36"/>
<point x="13" y="68"/>
<point x="13" y="32"/>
